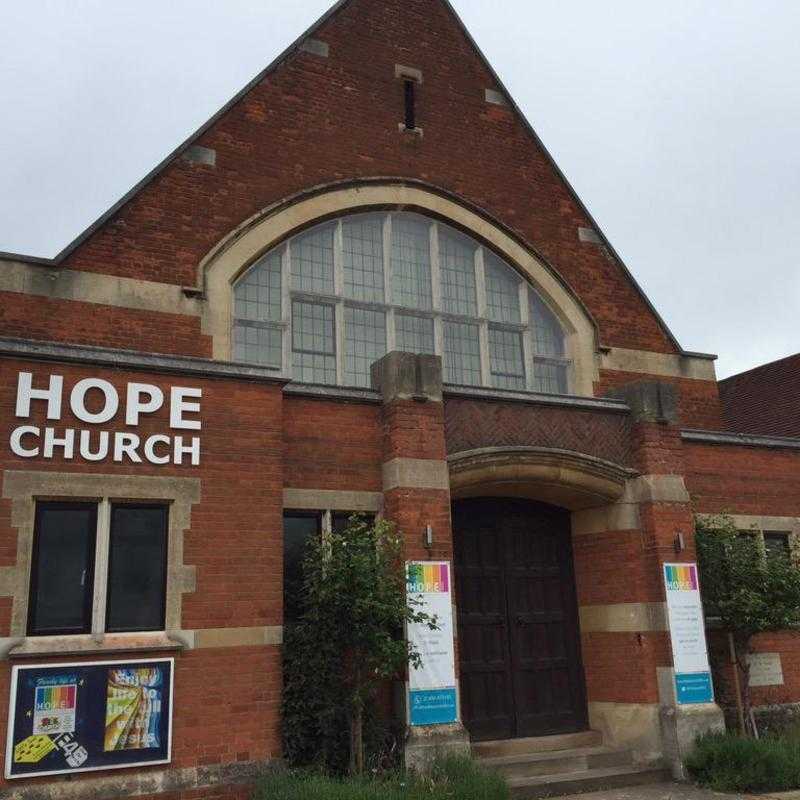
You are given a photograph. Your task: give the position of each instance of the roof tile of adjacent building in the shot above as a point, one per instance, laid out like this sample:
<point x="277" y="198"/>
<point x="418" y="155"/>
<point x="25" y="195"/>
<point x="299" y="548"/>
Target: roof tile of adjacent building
<point x="764" y="400"/>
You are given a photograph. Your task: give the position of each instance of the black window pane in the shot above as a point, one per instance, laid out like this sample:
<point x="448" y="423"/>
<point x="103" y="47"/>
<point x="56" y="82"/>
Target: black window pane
<point x="137" y="568"/>
<point x="776" y="544"/>
<point x="298" y="531"/>
<point x="341" y="519"/>
<point x="62" y="574"/>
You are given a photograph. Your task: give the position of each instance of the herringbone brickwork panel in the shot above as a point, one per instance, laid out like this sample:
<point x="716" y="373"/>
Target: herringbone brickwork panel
<point x="472" y="424"/>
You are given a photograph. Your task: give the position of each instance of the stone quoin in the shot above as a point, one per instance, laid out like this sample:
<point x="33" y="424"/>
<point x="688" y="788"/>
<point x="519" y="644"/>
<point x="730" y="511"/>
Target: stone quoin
<point x="363" y="286"/>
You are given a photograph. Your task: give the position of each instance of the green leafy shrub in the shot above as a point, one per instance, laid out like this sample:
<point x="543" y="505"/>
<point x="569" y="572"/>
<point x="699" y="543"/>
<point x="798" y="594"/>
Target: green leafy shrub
<point x="450" y="779"/>
<point x="347" y="641"/>
<point x="729" y="763"/>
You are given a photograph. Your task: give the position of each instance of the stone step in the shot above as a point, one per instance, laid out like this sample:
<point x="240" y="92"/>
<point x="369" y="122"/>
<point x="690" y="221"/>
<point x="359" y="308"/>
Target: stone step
<point x="558" y="761"/>
<point x="590" y="780"/>
<point x="537" y="744"/>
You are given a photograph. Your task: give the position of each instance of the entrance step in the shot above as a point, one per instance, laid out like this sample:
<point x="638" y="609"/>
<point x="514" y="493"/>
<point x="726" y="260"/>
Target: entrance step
<point x="537" y="744"/>
<point x="552" y="766"/>
<point x="556" y="762"/>
<point x="592" y="780"/>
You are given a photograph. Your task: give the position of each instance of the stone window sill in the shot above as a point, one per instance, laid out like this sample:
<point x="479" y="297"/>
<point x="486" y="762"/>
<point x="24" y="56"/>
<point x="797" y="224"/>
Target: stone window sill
<point x="86" y="644"/>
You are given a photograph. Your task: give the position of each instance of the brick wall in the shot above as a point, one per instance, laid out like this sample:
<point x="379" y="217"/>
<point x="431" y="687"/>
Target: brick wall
<point x="349" y="105"/>
<point x="226" y="700"/>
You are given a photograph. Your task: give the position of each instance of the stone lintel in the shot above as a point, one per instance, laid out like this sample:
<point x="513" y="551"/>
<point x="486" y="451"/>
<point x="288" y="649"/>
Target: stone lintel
<point x="331" y="500"/>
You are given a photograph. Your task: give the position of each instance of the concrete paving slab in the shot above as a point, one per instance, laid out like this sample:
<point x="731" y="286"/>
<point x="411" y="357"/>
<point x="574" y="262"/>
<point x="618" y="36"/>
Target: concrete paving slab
<point x="657" y="791"/>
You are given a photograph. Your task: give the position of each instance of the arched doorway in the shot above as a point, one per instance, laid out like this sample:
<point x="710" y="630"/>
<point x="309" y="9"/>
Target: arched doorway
<point x="519" y="642"/>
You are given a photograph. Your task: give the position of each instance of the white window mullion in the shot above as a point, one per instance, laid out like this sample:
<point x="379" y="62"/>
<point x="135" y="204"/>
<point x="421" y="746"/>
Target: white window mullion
<point x="480" y="284"/>
<point x="387" y="258"/>
<point x="338" y="268"/>
<point x="101" y="551"/>
<point x="286" y="309"/>
<point x="527" y="335"/>
<point x="436" y="272"/>
<point x="339" y="330"/>
<point x="391" y="331"/>
<point x="486" y="365"/>
<point x="438" y="336"/>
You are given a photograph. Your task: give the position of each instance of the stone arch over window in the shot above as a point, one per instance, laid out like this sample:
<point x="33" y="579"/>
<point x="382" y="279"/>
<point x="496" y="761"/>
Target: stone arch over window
<point x="329" y="283"/>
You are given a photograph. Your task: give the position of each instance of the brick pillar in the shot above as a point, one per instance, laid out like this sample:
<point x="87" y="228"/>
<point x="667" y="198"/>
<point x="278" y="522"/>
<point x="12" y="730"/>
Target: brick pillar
<point x="667" y="528"/>
<point x="416" y="490"/>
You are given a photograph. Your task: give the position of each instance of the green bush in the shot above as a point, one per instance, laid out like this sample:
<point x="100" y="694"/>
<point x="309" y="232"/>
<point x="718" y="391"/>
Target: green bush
<point x="450" y="779"/>
<point x="729" y="763"/>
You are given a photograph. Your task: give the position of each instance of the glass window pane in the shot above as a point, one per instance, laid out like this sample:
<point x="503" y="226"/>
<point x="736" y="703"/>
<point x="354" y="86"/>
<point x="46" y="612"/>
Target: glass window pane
<point x="457" y="265"/>
<point x="549" y="378"/>
<point x="411" y="261"/>
<point x="414" y="334"/>
<point x="502" y="290"/>
<point x="257" y="295"/>
<point x="776" y="544"/>
<point x="341" y="519"/>
<point x="298" y="531"/>
<point x="362" y="258"/>
<point x="508" y="366"/>
<point x="462" y="354"/>
<point x="62" y="571"/>
<point x="137" y="570"/>
<point x="312" y="260"/>
<point x="364" y="343"/>
<point x="255" y="343"/>
<point x="548" y="337"/>
<point x="313" y="342"/>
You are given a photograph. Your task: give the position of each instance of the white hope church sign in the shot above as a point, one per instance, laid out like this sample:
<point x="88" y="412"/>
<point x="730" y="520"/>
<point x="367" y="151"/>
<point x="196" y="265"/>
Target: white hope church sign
<point x="90" y="444"/>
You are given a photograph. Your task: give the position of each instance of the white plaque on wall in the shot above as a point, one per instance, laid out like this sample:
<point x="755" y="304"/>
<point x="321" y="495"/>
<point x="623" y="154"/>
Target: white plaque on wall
<point x="765" y="669"/>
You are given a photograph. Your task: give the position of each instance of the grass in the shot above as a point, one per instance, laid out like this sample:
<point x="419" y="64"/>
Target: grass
<point x="450" y="779"/>
<point x="729" y="763"/>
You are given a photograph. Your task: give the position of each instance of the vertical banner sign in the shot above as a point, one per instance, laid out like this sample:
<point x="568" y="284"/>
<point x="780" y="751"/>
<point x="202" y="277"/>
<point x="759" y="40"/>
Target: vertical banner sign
<point x="688" y="633"/>
<point x="89" y="716"/>
<point x="432" y="687"/>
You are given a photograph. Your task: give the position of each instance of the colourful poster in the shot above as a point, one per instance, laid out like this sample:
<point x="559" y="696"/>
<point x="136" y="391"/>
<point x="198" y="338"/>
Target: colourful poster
<point x="688" y="635"/>
<point x="89" y="716"/>
<point x="133" y="708"/>
<point x="432" y="696"/>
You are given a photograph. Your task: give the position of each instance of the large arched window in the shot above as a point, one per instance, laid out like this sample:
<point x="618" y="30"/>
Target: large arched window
<point x="330" y="301"/>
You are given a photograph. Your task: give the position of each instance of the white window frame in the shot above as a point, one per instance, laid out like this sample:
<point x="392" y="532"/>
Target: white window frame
<point x="339" y="301"/>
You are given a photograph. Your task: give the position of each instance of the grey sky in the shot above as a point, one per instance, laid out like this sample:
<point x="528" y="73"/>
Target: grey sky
<point x="677" y="123"/>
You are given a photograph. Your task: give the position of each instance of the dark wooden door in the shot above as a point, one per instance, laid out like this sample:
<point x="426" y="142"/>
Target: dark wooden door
<point x="519" y="645"/>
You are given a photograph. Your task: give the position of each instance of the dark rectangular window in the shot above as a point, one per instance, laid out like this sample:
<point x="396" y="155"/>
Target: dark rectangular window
<point x="137" y="568"/>
<point x="776" y="543"/>
<point x="410" y="90"/>
<point x="299" y="529"/>
<point x="340" y="519"/>
<point x="62" y="569"/>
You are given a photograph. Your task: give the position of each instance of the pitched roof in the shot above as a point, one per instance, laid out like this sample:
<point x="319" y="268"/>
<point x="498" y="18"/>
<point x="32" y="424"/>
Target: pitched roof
<point x="764" y="400"/>
<point x="287" y="53"/>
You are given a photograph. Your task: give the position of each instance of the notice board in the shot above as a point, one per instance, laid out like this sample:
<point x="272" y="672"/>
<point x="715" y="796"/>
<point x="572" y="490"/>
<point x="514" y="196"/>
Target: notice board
<point x="89" y="716"/>
<point x="688" y="635"/>
<point x="432" y="697"/>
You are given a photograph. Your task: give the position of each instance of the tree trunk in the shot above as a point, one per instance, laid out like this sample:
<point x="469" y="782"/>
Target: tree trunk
<point x="742" y="644"/>
<point x="356" y="738"/>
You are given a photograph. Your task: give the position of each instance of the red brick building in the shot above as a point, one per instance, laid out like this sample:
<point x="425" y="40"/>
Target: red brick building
<point x="194" y="378"/>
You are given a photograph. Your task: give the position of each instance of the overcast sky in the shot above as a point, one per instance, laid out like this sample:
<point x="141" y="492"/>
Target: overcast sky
<point x="677" y="123"/>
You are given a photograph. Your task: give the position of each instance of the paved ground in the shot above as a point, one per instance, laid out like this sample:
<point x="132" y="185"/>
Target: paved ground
<point x="660" y="791"/>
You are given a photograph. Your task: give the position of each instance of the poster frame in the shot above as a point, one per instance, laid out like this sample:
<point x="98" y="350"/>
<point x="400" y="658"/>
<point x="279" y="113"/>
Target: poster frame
<point x="12" y="715"/>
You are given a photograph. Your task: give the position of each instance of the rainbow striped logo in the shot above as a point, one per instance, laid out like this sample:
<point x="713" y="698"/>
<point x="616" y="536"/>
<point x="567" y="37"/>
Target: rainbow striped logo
<point x="428" y="578"/>
<point x="55" y="698"/>
<point x="681" y="577"/>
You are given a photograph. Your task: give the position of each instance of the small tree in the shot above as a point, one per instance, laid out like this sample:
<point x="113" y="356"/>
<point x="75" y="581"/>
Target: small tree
<point x="749" y="591"/>
<point x="349" y="637"/>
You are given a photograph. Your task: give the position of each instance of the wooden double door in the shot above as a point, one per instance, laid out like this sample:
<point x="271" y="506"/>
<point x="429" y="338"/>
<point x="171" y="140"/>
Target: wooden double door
<point x="519" y="641"/>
